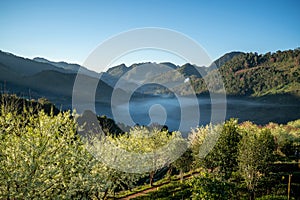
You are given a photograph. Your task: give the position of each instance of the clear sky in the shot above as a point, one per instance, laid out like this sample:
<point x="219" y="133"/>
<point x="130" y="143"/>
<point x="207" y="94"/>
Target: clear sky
<point x="70" y="30"/>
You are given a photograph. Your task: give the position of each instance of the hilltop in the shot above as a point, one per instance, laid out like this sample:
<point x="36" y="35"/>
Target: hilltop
<point x="244" y="74"/>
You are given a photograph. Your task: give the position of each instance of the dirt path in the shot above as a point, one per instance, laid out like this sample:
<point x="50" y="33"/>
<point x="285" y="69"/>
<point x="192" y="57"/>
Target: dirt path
<point x="144" y="192"/>
<point x="153" y="188"/>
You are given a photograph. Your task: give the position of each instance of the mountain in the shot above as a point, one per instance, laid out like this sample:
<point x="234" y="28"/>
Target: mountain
<point x="148" y="67"/>
<point x="70" y="68"/>
<point x="270" y="73"/>
<point x="171" y="65"/>
<point x="154" y="74"/>
<point x="110" y="77"/>
<point x="23" y="66"/>
<point x="7" y="74"/>
<point x="150" y="76"/>
<point x="243" y="74"/>
<point x="61" y="84"/>
<point x="118" y="71"/>
<point x="252" y="74"/>
<point x="42" y="78"/>
<point x="246" y="74"/>
<point x="189" y="70"/>
<point x="227" y="57"/>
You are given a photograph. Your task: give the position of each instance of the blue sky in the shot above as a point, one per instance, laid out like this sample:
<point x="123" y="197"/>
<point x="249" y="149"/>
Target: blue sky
<point x="70" y="30"/>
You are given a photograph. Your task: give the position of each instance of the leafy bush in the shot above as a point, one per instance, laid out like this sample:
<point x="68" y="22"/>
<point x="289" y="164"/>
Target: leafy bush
<point x="221" y="145"/>
<point x="207" y="187"/>
<point x="273" y="197"/>
<point x="173" y="190"/>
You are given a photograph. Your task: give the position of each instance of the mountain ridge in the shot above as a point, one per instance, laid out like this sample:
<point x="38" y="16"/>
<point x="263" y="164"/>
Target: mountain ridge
<point x="36" y="79"/>
<point x="249" y="74"/>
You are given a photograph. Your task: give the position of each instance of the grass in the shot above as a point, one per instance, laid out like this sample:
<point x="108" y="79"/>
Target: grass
<point x="135" y="190"/>
<point x="168" y="186"/>
<point x="173" y="190"/>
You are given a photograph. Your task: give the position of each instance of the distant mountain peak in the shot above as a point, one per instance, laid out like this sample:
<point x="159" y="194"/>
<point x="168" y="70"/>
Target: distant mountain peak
<point x="225" y="58"/>
<point x="61" y="64"/>
<point x="40" y="59"/>
<point x="118" y="71"/>
<point x="169" y="64"/>
<point x="69" y="67"/>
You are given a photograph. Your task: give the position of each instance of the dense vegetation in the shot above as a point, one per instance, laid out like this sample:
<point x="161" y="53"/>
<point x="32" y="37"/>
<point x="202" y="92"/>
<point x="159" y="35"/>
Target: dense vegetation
<point x="257" y="75"/>
<point x="245" y="74"/>
<point x="247" y="162"/>
<point x="42" y="156"/>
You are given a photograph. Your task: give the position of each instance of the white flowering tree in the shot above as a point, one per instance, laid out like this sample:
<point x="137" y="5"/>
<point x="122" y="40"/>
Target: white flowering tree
<point x="41" y="156"/>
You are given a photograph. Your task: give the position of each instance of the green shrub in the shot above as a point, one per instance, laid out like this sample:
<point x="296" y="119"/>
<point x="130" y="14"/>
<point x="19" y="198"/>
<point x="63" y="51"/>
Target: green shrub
<point x="207" y="187"/>
<point x="273" y="197"/>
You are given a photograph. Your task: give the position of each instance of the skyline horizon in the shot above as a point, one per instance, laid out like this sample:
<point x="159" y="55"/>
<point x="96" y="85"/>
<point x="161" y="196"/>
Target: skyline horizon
<point x="114" y="64"/>
<point x="70" y="31"/>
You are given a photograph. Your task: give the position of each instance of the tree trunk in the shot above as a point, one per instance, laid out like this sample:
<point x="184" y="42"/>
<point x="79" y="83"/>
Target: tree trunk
<point x="170" y="172"/>
<point x="181" y="175"/>
<point x="151" y="177"/>
<point x="105" y="193"/>
<point x="251" y="195"/>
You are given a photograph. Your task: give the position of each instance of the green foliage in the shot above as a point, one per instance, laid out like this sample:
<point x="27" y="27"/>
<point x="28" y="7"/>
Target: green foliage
<point x="184" y="163"/>
<point x="226" y="149"/>
<point x="244" y="153"/>
<point x="207" y="187"/>
<point x="287" y="138"/>
<point x="250" y="73"/>
<point x="197" y="139"/>
<point x="116" y="180"/>
<point x="13" y="103"/>
<point x="295" y="124"/>
<point x="147" y="149"/>
<point x="255" y="155"/>
<point x="273" y="197"/>
<point x="144" y="139"/>
<point x="41" y="157"/>
<point x="258" y="75"/>
<point x="109" y="126"/>
<point x="173" y="190"/>
<point x="224" y="153"/>
<point x="202" y="141"/>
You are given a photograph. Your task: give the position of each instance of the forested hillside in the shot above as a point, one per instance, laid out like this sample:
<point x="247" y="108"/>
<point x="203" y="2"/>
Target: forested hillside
<point x="258" y="75"/>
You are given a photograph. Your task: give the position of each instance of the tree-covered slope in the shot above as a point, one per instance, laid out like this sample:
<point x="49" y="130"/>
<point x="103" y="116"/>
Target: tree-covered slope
<point x="254" y="74"/>
<point x="257" y="75"/>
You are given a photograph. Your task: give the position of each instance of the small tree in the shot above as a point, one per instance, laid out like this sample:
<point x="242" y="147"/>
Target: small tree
<point x="255" y="155"/>
<point x="208" y="187"/>
<point x="202" y="140"/>
<point x="224" y="153"/>
<point x="41" y="157"/>
<point x="226" y="150"/>
<point x="184" y="163"/>
<point x="146" y="149"/>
